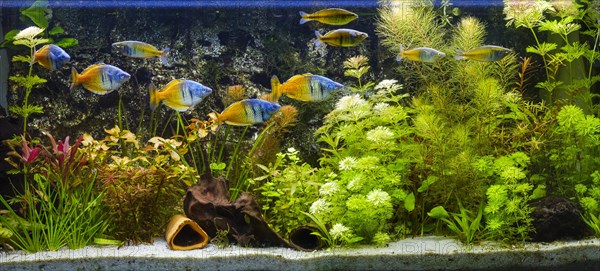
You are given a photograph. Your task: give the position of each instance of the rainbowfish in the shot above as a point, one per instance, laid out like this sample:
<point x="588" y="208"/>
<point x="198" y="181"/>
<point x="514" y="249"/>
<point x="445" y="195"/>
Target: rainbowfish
<point x="179" y="94"/>
<point x="486" y="53"/>
<point x="331" y="16"/>
<point x="341" y="37"/>
<point x="51" y="57"/>
<point x="140" y="49"/>
<point x="304" y="87"/>
<point x="422" y="54"/>
<point x="99" y="78"/>
<point x="246" y="112"/>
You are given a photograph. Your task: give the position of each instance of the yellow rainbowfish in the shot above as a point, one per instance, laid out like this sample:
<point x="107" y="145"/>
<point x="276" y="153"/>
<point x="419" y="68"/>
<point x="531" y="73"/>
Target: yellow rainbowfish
<point x="331" y="16"/>
<point x="341" y="37"/>
<point x="421" y="54"/>
<point x="140" y="49"/>
<point x="486" y="53"/>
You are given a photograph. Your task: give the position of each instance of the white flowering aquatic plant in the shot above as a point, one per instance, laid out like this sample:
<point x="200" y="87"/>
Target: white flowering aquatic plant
<point x="367" y="141"/>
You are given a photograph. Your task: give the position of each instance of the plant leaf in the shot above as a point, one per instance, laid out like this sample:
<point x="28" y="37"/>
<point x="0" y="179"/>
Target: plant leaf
<point x="409" y="202"/>
<point x="66" y="42"/>
<point x="37" y="13"/>
<point x="56" y="30"/>
<point x="438" y="212"/>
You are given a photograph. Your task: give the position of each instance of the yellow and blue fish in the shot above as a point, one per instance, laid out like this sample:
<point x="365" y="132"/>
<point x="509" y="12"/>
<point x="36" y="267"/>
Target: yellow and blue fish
<point x="50" y="57"/>
<point x="246" y="112"/>
<point x="179" y="94"/>
<point x="331" y="16"/>
<point x="140" y="49"/>
<point x="421" y="54"/>
<point x="304" y="87"/>
<point x="99" y="78"/>
<point x="341" y="37"/>
<point x="486" y="53"/>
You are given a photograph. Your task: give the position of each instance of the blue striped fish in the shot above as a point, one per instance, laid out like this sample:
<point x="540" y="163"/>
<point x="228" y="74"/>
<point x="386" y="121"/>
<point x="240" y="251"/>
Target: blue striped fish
<point x="246" y="112"/>
<point x="99" y="78"/>
<point x="304" y="87"/>
<point x="179" y="94"/>
<point x="51" y="57"/>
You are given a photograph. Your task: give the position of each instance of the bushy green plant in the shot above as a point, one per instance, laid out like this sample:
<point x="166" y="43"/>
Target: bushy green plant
<point x="573" y="149"/>
<point x="60" y="202"/>
<point x="507" y="213"/>
<point x="286" y="190"/>
<point x="589" y="195"/>
<point x="144" y="184"/>
<point x="364" y="150"/>
<point x="563" y="53"/>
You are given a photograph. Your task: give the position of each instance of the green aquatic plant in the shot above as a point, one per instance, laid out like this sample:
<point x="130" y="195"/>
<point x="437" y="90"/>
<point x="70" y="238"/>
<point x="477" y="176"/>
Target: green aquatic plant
<point x="364" y="151"/>
<point x="588" y="195"/>
<point x="59" y="202"/>
<point x="286" y="190"/>
<point x="143" y="185"/>
<point x="573" y="150"/>
<point x="466" y="226"/>
<point x="563" y="55"/>
<point x="507" y="212"/>
<point x="27" y="37"/>
<point x="357" y="67"/>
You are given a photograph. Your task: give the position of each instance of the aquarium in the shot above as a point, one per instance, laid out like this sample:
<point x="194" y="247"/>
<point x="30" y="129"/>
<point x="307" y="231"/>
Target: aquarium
<point x="318" y="132"/>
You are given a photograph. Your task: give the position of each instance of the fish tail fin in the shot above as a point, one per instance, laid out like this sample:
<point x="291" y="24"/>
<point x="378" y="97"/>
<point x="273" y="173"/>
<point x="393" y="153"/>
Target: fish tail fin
<point x="399" y="56"/>
<point x="153" y="97"/>
<point x="460" y="55"/>
<point x="74" y="79"/>
<point x="275" y="94"/>
<point x="163" y="56"/>
<point x="215" y="117"/>
<point x="318" y="41"/>
<point x="304" y="19"/>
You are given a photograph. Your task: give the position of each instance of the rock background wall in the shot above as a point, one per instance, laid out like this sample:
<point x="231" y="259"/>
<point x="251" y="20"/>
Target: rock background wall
<point x="217" y="47"/>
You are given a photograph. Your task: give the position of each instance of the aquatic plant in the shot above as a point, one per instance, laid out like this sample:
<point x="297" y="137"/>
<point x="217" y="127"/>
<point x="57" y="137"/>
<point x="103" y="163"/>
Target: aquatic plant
<point x="286" y="190"/>
<point x="357" y="67"/>
<point x="365" y="146"/>
<point x="573" y="149"/>
<point x="567" y="81"/>
<point x="589" y="196"/>
<point x="60" y="202"/>
<point x="143" y="185"/>
<point x="464" y="225"/>
<point x="27" y="37"/>
<point x="507" y="213"/>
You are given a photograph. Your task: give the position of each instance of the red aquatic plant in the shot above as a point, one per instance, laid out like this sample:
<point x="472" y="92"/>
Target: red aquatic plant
<point x="62" y="160"/>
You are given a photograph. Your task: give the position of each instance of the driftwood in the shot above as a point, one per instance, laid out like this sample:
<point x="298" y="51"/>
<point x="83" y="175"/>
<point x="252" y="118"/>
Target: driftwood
<point x="207" y="203"/>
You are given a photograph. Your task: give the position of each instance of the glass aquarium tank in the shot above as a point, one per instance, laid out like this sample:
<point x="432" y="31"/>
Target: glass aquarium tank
<point x="308" y="135"/>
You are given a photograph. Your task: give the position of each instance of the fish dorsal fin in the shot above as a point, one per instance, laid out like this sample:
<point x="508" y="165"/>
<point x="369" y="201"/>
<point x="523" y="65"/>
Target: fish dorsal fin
<point x="307" y="74"/>
<point x="171" y="84"/>
<point x="91" y="67"/>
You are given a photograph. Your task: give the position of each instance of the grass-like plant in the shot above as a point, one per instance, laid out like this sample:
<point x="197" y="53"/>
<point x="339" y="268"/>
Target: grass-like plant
<point x="466" y="226"/>
<point x="59" y="202"/>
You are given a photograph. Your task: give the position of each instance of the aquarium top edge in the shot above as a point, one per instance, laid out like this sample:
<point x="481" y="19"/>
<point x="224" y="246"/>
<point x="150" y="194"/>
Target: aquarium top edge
<point x="230" y="3"/>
